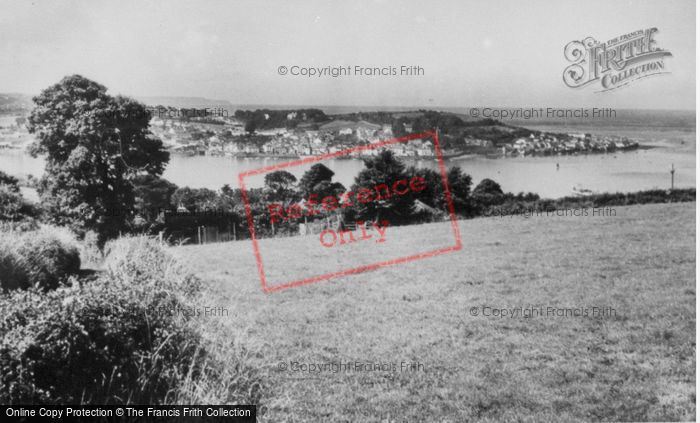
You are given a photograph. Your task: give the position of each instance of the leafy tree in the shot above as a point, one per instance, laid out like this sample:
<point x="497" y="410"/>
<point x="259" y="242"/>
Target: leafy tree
<point x="434" y="193"/>
<point x="153" y="194"/>
<point x="227" y="190"/>
<point x="194" y="199"/>
<point x="422" y="123"/>
<point x="327" y="189"/>
<point x="315" y="175"/>
<point x="397" y="127"/>
<point x="228" y="199"/>
<point x="386" y="169"/>
<point x="280" y="179"/>
<point x="318" y="180"/>
<point x="460" y="185"/>
<point x="11" y="204"/>
<point x="95" y="144"/>
<point x="250" y="127"/>
<point x="260" y="213"/>
<point x="267" y="119"/>
<point x="280" y="187"/>
<point x="11" y="183"/>
<point x="488" y="187"/>
<point x="487" y="193"/>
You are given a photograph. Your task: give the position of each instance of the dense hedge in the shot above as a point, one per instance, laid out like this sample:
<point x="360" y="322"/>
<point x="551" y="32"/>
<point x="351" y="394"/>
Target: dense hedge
<point x="509" y="204"/>
<point x="126" y="337"/>
<point x="42" y="259"/>
<point x="114" y="340"/>
<point x="11" y="203"/>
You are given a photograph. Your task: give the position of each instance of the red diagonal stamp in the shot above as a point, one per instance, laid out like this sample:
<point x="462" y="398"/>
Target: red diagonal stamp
<point x="339" y="246"/>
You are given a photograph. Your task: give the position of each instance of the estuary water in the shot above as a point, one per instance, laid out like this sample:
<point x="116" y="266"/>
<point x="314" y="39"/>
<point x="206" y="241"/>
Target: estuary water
<point x="646" y="168"/>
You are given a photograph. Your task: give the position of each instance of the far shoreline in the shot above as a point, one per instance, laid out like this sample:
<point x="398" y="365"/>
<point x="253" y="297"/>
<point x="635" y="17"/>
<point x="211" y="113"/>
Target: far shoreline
<point x="457" y="156"/>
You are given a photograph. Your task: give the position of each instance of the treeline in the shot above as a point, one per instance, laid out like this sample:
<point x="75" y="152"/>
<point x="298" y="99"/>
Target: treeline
<point x="509" y="204"/>
<point x="178" y="211"/>
<point x="270" y="119"/>
<point x="453" y="129"/>
<point x="103" y="179"/>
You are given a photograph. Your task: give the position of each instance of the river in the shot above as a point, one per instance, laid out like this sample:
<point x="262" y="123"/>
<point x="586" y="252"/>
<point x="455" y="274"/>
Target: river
<point x="646" y="168"/>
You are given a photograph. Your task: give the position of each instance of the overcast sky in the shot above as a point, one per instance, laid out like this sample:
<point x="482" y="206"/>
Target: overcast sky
<point x="475" y="53"/>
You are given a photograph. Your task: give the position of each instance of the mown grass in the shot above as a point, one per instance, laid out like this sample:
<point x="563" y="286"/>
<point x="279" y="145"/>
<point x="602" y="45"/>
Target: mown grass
<point x="638" y="365"/>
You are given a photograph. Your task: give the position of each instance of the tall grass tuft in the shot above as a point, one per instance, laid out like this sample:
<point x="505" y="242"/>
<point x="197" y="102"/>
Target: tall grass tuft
<point x="43" y="258"/>
<point x="127" y="337"/>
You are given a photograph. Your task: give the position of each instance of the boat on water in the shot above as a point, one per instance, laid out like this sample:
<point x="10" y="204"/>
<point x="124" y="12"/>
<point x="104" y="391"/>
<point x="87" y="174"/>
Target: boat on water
<point x="580" y="191"/>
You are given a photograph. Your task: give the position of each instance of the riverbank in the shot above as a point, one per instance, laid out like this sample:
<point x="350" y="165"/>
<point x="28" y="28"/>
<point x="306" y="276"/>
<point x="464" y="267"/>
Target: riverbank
<point x="624" y="172"/>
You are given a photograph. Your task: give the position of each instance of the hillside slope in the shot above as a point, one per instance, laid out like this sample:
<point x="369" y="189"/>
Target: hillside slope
<point x="635" y="364"/>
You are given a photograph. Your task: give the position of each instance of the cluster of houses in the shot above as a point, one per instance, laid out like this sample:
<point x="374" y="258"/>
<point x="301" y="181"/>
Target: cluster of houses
<point x="14" y="135"/>
<point x="476" y="142"/>
<point x="192" y="137"/>
<point x="230" y="139"/>
<point x="549" y="144"/>
<point x="342" y="135"/>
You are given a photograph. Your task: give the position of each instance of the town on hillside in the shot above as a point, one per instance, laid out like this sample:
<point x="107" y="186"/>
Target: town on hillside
<point x="300" y="135"/>
<point x="310" y="132"/>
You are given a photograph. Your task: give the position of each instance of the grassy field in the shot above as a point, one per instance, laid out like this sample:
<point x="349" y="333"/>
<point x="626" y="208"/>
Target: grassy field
<point x="637" y="363"/>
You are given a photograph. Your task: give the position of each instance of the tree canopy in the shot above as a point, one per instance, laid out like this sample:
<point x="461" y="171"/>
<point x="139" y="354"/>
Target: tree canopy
<point x="94" y="144"/>
<point x="384" y="168"/>
<point x="318" y="180"/>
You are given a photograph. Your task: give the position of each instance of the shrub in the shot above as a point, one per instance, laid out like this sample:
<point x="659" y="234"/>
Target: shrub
<point x="521" y="203"/>
<point x="27" y="224"/>
<point x="487" y="193"/>
<point x="143" y="263"/>
<point x="96" y="344"/>
<point x="48" y="259"/>
<point x="11" y="203"/>
<point x="12" y="269"/>
<point x="9" y="181"/>
<point x="129" y="337"/>
<point x="90" y="248"/>
<point x="42" y="259"/>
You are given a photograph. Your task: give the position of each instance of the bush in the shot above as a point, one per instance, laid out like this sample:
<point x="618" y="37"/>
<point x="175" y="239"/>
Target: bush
<point x="27" y="224"/>
<point x="129" y="337"/>
<point x="142" y="262"/>
<point x="41" y="259"/>
<point x="98" y="344"/>
<point x="487" y="193"/>
<point x="11" y="203"/>
<point x="90" y="251"/>
<point x="529" y="203"/>
<point x="9" y="181"/>
<point x="12" y="270"/>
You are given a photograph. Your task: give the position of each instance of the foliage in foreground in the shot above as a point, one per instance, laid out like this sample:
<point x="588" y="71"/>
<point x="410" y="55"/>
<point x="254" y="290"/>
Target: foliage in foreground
<point x="127" y="337"/>
<point x="41" y="259"/>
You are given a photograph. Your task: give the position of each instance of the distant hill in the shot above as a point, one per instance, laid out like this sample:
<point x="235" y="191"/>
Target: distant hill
<point x="336" y="125"/>
<point x="184" y="102"/>
<point x="23" y="101"/>
<point x="11" y="102"/>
